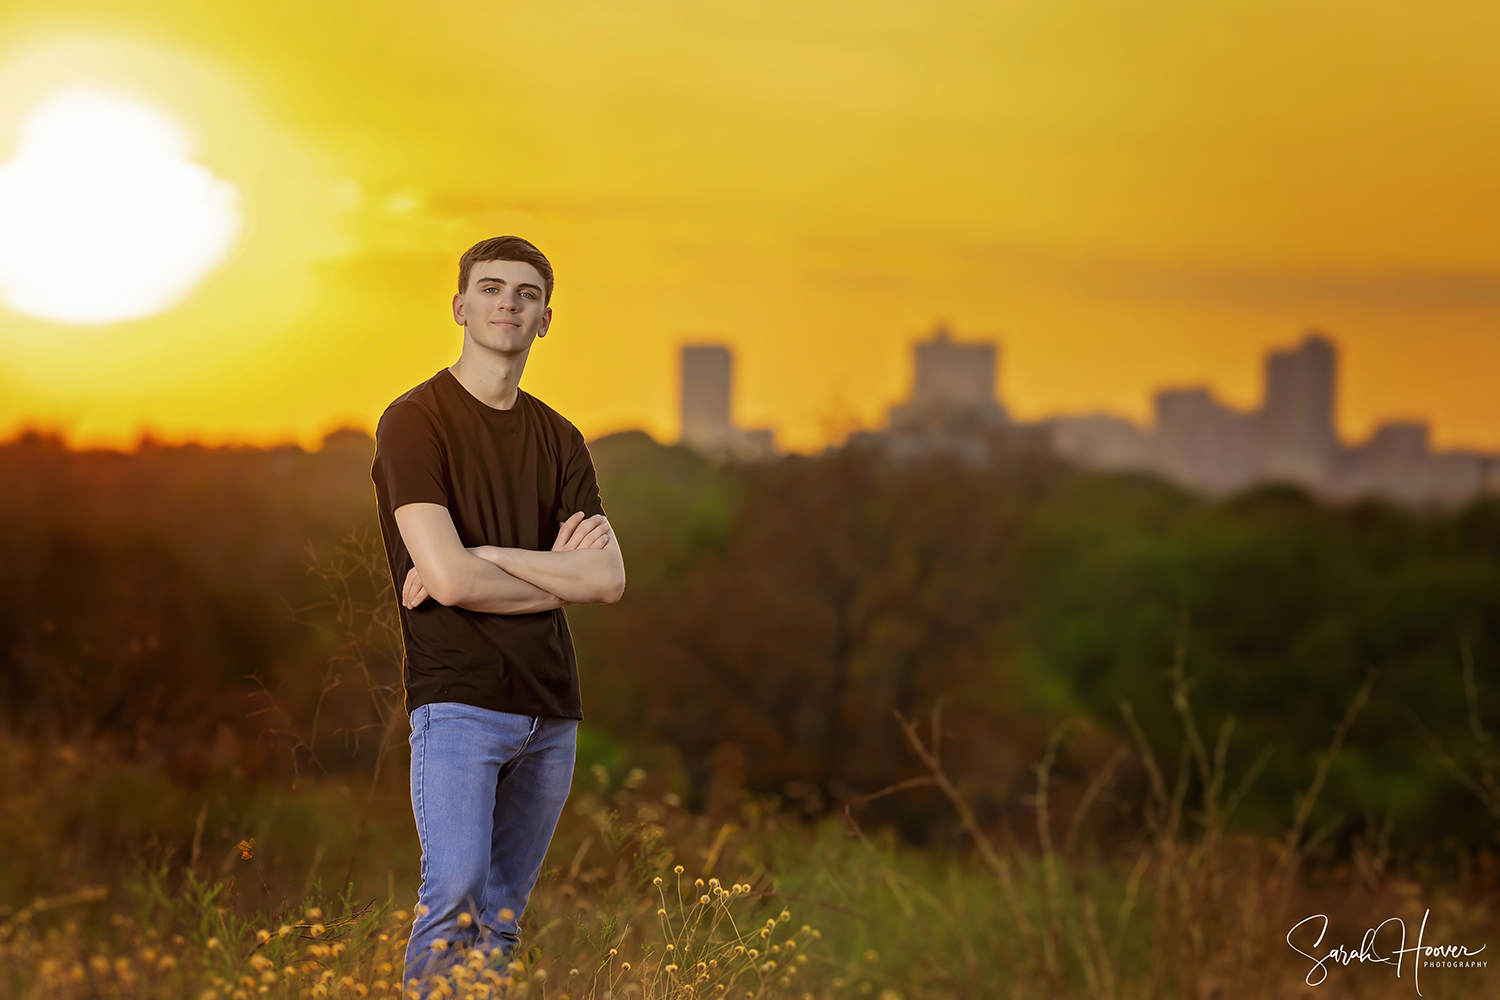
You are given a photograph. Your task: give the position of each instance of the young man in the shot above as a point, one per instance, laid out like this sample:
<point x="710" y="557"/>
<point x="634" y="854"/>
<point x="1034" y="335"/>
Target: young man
<point x="492" y="523"/>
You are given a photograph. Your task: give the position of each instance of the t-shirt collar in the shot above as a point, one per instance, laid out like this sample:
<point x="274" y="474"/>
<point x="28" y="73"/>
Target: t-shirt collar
<point x="481" y="406"/>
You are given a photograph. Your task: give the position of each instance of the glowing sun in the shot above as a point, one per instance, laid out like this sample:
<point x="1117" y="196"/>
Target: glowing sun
<point x="103" y="215"/>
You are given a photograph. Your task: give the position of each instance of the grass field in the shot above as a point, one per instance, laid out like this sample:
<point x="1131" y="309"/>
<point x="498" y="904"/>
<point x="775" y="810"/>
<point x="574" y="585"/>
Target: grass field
<point x="118" y="885"/>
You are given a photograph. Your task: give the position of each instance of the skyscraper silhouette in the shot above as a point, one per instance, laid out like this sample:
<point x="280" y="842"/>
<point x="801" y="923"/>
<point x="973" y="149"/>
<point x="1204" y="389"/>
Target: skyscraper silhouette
<point x="705" y="394"/>
<point x="707" y="371"/>
<point x="1200" y="442"/>
<point x="950" y="374"/>
<point x="1297" y="437"/>
<point x="952" y="409"/>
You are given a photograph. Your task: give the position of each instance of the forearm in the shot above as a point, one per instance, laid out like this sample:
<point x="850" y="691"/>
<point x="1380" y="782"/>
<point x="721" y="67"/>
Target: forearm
<point x="481" y="584"/>
<point x="578" y="576"/>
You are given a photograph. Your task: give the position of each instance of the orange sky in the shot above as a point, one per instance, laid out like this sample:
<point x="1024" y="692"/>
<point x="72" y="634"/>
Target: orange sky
<point x="1124" y="195"/>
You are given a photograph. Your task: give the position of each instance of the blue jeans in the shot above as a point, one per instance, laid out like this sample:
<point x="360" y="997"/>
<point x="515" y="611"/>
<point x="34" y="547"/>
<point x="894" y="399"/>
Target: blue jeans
<point x="486" y="790"/>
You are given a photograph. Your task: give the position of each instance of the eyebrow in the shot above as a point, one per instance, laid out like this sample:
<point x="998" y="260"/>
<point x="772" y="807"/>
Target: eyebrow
<point x="501" y="281"/>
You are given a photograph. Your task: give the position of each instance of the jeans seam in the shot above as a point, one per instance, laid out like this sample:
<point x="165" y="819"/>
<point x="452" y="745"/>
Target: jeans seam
<point x="412" y="963"/>
<point x="422" y="794"/>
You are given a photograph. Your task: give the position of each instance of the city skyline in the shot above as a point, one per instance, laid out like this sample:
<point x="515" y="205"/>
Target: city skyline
<point x="965" y="369"/>
<point x="953" y="407"/>
<point x="969" y="369"/>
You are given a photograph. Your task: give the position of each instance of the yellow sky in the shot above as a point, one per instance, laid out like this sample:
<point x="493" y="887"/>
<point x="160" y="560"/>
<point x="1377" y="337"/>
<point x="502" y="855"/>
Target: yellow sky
<point x="1126" y="196"/>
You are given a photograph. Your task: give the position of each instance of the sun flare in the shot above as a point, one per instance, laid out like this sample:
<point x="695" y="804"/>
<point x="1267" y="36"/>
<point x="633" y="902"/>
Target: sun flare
<point x="103" y="214"/>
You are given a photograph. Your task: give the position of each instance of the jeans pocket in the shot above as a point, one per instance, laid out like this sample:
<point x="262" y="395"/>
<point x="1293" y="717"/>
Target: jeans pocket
<point x="419" y="721"/>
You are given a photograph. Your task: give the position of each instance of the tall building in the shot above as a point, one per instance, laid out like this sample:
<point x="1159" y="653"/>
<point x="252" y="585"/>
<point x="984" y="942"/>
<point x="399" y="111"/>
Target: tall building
<point x="707" y="371"/>
<point x="1296" y="431"/>
<point x="951" y="378"/>
<point x="952" y="408"/>
<point x="1202" y="443"/>
<point x="950" y="374"/>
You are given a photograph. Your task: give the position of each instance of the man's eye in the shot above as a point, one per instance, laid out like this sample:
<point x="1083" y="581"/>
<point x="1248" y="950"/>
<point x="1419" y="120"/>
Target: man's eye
<point x="529" y="295"/>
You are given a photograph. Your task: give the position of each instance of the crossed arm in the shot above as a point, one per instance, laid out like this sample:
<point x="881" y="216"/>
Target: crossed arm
<point x="584" y="566"/>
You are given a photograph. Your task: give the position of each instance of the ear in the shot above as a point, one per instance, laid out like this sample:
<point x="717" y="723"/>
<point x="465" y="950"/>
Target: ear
<point x="546" y="322"/>
<point x="458" y="310"/>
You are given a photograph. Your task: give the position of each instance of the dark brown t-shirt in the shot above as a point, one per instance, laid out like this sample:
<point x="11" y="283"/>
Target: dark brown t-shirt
<point x="508" y="478"/>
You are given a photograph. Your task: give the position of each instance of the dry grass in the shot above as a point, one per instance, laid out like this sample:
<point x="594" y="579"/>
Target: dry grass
<point x="592" y="930"/>
<point x="1187" y="912"/>
<point x="141" y="889"/>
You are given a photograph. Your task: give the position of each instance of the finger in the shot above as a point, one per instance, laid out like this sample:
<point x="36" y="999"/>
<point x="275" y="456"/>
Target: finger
<point x="598" y="531"/>
<point x="419" y="596"/>
<point x="585" y="527"/>
<point x="565" y="531"/>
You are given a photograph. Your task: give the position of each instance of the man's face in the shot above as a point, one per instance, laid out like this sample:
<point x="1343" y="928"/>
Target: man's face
<point x="502" y="307"/>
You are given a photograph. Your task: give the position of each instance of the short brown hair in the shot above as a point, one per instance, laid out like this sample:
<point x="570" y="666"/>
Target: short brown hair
<point x="505" y="248"/>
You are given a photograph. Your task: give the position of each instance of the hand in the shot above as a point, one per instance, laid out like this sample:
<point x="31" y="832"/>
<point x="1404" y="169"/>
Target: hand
<point x="413" y="593"/>
<point x="579" y="532"/>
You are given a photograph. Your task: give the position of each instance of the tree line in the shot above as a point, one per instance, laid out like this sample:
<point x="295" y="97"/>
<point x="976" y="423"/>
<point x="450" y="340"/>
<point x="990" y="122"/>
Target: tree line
<point x="778" y="616"/>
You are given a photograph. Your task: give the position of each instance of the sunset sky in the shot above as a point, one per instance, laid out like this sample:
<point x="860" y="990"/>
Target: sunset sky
<point x="1125" y="196"/>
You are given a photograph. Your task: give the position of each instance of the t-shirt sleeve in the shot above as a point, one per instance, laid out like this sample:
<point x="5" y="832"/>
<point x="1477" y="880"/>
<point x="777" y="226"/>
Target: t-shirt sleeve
<point x="580" y="488"/>
<point x="409" y="457"/>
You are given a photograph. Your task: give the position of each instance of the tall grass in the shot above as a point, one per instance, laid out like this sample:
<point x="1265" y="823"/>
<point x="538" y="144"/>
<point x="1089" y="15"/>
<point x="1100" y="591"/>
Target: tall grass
<point x="1183" y="913"/>
<point x="114" y="883"/>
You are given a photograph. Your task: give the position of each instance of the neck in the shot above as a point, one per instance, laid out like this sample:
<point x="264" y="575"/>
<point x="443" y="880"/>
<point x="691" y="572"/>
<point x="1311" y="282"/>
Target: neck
<point x="491" y="377"/>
